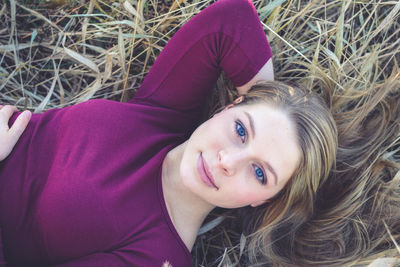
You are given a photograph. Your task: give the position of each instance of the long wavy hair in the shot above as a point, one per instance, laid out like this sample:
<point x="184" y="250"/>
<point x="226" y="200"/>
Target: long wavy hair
<point x="342" y="200"/>
<point x="279" y="220"/>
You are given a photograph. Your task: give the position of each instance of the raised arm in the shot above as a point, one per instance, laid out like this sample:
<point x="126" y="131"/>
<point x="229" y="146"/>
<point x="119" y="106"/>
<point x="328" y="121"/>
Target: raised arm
<point x="225" y="36"/>
<point x="266" y="73"/>
<point x="10" y="136"/>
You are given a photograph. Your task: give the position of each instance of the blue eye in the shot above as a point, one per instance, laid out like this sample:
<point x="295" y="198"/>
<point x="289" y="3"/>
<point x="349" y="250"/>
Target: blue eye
<point x="240" y="130"/>
<point x="259" y="173"/>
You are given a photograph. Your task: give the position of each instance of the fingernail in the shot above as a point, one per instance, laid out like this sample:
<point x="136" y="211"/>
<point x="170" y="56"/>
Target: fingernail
<point x="27" y="114"/>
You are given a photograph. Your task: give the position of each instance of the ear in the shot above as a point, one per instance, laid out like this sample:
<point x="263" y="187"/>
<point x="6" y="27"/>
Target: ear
<point x="238" y="100"/>
<point x="258" y="203"/>
<point x="228" y="106"/>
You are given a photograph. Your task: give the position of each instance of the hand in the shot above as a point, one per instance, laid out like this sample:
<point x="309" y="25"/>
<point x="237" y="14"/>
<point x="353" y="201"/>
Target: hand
<point x="10" y="136"/>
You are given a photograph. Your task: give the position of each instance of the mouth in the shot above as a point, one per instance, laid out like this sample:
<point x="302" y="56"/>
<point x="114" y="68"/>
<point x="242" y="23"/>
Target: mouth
<point x="205" y="173"/>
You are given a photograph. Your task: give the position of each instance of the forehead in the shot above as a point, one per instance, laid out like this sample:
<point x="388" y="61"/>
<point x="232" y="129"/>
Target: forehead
<point x="275" y="138"/>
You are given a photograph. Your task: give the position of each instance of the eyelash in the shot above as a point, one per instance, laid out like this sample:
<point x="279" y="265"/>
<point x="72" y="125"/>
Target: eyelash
<point x="241" y="132"/>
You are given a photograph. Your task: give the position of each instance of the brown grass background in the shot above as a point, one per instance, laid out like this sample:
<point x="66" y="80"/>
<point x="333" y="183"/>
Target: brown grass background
<point x="60" y="52"/>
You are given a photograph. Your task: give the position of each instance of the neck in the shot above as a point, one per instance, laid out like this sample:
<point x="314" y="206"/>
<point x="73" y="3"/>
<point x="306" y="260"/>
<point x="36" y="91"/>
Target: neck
<point x="186" y="210"/>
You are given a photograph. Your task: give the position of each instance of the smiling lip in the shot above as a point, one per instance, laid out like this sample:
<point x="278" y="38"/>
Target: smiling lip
<point x="204" y="172"/>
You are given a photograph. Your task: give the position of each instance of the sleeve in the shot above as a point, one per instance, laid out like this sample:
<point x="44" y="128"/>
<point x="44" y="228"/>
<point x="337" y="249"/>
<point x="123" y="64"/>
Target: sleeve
<point x="225" y="36"/>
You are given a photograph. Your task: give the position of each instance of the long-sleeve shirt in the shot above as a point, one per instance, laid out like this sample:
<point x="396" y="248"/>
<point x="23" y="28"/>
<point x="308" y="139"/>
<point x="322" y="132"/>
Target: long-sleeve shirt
<point x="82" y="187"/>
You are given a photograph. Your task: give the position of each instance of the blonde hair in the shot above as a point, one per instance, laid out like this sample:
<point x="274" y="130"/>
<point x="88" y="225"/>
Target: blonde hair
<point x="344" y="197"/>
<point x="317" y="138"/>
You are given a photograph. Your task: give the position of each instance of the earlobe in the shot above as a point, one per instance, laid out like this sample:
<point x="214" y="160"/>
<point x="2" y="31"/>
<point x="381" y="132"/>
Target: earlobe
<point x="259" y="203"/>
<point x="238" y="100"/>
<point x="228" y="106"/>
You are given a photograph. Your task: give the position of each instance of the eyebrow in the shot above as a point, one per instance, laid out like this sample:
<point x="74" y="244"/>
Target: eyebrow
<point x="253" y="135"/>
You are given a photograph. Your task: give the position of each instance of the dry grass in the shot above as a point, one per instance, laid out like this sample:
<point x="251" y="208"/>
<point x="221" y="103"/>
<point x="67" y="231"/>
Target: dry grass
<point x="63" y="52"/>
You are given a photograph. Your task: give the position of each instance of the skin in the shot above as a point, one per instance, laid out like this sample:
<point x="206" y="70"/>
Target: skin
<point x="266" y="73"/>
<point x="231" y="160"/>
<point x="235" y="158"/>
<point x="10" y="136"/>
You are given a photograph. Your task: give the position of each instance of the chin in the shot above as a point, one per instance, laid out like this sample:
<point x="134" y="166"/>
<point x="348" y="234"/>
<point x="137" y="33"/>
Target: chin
<point x="187" y="175"/>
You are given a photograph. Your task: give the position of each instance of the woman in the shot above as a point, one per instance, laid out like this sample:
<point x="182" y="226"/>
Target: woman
<point x="121" y="184"/>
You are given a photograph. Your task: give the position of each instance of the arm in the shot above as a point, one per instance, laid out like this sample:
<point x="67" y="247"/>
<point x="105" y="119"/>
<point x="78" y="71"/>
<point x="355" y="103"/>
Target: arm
<point x="10" y="136"/>
<point x="265" y="73"/>
<point x="225" y="36"/>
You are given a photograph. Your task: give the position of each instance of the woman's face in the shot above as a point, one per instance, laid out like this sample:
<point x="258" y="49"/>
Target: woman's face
<point x="242" y="156"/>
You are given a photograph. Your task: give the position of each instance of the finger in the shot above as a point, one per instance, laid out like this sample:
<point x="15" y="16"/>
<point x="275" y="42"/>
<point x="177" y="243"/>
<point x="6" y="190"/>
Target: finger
<point x="6" y="112"/>
<point x="19" y="126"/>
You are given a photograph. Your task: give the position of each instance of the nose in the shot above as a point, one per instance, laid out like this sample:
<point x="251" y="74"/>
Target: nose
<point x="230" y="161"/>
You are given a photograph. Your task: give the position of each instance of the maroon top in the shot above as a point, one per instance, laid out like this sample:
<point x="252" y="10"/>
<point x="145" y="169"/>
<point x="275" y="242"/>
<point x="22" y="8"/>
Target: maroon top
<point x="83" y="185"/>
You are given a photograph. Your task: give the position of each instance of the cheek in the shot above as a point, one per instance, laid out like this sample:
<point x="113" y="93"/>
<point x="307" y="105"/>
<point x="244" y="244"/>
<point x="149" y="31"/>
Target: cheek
<point x="206" y="132"/>
<point x="215" y="133"/>
<point x="251" y="196"/>
<point x="241" y="200"/>
<point x="243" y="194"/>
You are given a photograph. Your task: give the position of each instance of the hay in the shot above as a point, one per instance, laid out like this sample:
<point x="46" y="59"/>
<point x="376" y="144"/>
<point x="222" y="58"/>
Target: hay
<point x="58" y="53"/>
